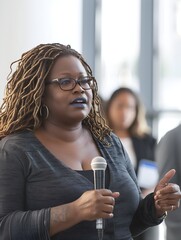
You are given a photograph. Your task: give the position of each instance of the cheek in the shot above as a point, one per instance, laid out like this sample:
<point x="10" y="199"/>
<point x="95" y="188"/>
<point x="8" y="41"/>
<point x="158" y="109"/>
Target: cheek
<point x="114" y="115"/>
<point x="131" y="117"/>
<point x="132" y="114"/>
<point x="48" y="94"/>
<point x="54" y="93"/>
<point x="90" y="97"/>
<point x="53" y="98"/>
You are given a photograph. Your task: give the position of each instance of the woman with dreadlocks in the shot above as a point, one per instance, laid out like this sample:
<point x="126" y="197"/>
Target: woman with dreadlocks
<point x="51" y="128"/>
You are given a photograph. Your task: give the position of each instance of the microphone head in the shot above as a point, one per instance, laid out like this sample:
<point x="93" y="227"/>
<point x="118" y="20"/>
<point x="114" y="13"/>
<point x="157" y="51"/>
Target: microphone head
<point x="98" y="163"/>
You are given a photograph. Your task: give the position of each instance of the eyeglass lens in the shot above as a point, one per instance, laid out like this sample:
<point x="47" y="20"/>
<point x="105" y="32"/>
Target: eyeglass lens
<point x="69" y="83"/>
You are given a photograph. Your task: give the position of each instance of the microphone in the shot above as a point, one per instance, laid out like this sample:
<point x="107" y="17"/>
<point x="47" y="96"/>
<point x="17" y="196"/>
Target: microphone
<point x="98" y="165"/>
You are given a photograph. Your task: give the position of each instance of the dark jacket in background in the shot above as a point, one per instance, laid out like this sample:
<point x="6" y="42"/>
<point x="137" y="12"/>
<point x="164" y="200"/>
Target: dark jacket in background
<point x="144" y="148"/>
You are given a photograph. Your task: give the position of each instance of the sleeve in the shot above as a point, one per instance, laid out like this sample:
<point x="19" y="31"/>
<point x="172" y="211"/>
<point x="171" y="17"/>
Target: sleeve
<point x="15" y="222"/>
<point x="145" y="216"/>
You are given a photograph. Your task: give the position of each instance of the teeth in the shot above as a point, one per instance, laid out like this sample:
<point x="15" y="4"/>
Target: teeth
<point x="79" y="101"/>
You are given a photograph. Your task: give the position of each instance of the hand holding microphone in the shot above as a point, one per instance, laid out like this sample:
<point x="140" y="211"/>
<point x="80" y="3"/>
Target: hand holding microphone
<point x="96" y="204"/>
<point x="99" y="165"/>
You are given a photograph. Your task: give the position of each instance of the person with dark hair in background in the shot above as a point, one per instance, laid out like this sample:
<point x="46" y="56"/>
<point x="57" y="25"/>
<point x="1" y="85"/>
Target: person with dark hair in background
<point x="168" y="155"/>
<point x="51" y="129"/>
<point x="126" y="116"/>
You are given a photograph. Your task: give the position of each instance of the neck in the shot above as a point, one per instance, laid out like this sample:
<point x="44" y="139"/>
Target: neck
<point x="122" y="133"/>
<point x="66" y="134"/>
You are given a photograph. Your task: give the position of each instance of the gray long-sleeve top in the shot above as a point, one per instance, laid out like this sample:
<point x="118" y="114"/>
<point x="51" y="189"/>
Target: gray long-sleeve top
<point x="32" y="181"/>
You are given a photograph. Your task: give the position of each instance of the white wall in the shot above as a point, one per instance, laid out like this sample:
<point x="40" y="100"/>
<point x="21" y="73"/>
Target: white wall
<point x="27" y="23"/>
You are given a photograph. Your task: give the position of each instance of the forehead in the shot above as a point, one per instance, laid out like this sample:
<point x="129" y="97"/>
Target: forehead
<point x="67" y="65"/>
<point x="125" y="97"/>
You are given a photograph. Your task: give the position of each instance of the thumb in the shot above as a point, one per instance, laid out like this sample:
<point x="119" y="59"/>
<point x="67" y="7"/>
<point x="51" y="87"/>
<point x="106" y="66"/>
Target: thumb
<point x="166" y="178"/>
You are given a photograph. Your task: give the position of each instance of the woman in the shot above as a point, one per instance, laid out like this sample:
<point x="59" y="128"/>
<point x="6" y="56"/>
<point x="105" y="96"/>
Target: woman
<point x="126" y="116"/>
<point x="51" y="129"/>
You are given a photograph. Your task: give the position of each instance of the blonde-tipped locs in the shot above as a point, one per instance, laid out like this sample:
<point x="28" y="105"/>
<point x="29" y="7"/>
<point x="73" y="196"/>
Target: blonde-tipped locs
<point x="21" y="105"/>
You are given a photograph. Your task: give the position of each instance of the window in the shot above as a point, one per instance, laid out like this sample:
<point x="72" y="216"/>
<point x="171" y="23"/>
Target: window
<point x="167" y="94"/>
<point x="120" y="38"/>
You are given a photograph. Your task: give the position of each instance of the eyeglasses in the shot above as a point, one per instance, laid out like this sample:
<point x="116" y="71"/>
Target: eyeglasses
<point x="68" y="84"/>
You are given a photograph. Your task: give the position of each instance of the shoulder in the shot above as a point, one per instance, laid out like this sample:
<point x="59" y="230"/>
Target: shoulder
<point x="15" y="149"/>
<point x="146" y="139"/>
<point x="16" y="141"/>
<point x="115" y="145"/>
<point x="111" y="141"/>
<point x="114" y="140"/>
<point x="13" y="153"/>
<point x="172" y="135"/>
<point x="174" y="132"/>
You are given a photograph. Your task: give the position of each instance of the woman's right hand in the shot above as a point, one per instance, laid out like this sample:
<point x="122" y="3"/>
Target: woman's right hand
<point x="96" y="204"/>
<point x="90" y="206"/>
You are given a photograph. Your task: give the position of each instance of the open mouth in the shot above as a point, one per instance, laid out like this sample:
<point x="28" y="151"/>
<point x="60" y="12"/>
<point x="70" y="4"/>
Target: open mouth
<point x="79" y="101"/>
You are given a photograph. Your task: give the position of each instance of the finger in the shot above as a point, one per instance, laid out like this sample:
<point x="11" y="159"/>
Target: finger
<point x="106" y="215"/>
<point x="167" y="207"/>
<point x="171" y="188"/>
<point x="108" y="208"/>
<point x="104" y="192"/>
<point x="167" y="199"/>
<point x="107" y="192"/>
<point x="165" y="180"/>
<point x="168" y="202"/>
<point x="109" y="200"/>
<point x="115" y="194"/>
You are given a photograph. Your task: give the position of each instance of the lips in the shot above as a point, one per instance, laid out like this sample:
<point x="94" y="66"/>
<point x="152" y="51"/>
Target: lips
<point x="79" y="101"/>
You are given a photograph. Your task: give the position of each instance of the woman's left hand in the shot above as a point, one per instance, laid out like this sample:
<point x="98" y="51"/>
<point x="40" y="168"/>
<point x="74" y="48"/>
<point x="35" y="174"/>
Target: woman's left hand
<point x="167" y="195"/>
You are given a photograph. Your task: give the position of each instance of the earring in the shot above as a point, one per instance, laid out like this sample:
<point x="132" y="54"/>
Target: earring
<point x="44" y="111"/>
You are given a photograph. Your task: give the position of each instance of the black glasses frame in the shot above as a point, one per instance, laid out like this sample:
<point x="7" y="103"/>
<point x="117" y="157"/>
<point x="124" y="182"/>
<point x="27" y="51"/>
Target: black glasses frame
<point x="79" y="81"/>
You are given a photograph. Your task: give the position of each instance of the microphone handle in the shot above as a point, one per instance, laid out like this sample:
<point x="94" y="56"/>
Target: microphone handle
<point x="100" y="234"/>
<point x="99" y="183"/>
<point x="99" y="179"/>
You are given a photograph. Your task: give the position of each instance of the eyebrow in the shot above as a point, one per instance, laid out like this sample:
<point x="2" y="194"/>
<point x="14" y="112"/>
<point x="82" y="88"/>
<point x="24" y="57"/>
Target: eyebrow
<point x="70" y="73"/>
<point x="63" y="75"/>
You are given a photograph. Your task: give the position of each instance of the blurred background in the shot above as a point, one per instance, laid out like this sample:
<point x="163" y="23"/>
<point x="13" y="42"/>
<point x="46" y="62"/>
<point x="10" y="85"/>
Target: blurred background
<point x="133" y="43"/>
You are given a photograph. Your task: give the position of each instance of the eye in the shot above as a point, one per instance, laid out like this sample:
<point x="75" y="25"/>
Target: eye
<point x="86" y="81"/>
<point x="65" y="81"/>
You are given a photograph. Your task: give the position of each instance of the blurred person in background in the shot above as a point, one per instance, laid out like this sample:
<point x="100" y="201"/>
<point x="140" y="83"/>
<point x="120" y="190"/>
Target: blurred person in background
<point x="126" y="116"/>
<point x="168" y="155"/>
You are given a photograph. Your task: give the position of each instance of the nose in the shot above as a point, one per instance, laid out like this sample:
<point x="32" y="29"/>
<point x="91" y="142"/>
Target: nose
<point x="78" y="88"/>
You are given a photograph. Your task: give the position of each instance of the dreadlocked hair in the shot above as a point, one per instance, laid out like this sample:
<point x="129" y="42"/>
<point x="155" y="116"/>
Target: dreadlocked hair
<point x="21" y="105"/>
